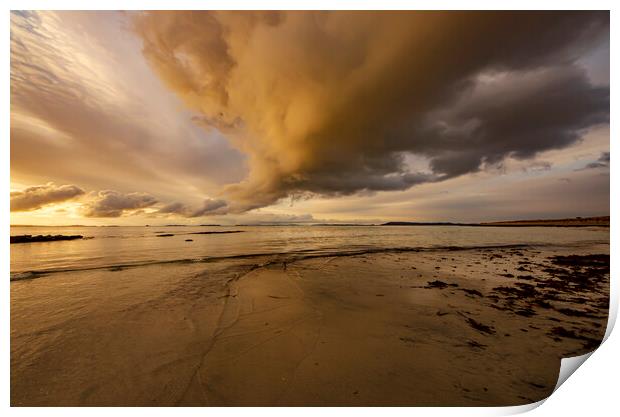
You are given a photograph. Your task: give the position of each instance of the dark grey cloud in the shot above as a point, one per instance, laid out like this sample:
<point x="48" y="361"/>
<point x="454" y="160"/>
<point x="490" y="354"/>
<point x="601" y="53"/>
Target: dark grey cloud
<point x="33" y="198"/>
<point x="512" y="115"/>
<point x="110" y="203"/>
<point x="601" y="162"/>
<point x="209" y="207"/>
<point x="330" y="102"/>
<point x="174" y="208"/>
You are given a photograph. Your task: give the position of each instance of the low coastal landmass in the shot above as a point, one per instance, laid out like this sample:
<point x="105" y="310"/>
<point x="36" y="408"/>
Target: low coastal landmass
<point x="568" y="222"/>
<point x="572" y="222"/>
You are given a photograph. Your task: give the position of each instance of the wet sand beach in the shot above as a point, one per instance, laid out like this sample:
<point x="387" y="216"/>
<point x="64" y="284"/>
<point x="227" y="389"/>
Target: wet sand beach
<point x="484" y="326"/>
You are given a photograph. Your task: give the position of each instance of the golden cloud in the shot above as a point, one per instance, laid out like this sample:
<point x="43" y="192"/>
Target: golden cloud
<point x="330" y="103"/>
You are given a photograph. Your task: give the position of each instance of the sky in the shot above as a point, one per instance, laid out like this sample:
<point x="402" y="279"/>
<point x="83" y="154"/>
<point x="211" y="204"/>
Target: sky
<point x="133" y="118"/>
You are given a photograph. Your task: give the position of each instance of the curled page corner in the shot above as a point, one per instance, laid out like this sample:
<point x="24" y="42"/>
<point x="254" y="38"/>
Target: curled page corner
<point x="612" y="315"/>
<point x="568" y="366"/>
<point x="521" y="409"/>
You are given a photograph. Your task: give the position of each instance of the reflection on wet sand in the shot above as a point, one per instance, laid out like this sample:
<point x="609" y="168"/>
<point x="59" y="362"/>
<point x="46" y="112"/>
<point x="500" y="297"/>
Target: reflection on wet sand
<point x="484" y="326"/>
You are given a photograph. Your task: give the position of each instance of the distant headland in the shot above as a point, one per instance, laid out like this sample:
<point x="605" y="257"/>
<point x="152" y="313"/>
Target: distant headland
<point x="568" y="222"/>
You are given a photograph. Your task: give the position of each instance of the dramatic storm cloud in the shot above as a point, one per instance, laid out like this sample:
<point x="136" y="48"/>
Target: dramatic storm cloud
<point x="114" y="204"/>
<point x="334" y="103"/>
<point x="242" y="117"/>
<point x="33" y="198"/>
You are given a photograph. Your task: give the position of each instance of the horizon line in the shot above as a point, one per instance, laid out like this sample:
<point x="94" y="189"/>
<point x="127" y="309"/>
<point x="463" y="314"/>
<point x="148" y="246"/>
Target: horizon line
<point x="352" y="223"/>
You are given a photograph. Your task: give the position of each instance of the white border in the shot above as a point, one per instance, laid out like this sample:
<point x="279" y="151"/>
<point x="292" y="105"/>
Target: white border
<point x="592" y="391"/>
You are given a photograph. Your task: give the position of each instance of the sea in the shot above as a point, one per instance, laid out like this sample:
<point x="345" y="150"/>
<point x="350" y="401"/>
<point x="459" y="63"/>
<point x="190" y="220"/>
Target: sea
<point x="132" y="246"/>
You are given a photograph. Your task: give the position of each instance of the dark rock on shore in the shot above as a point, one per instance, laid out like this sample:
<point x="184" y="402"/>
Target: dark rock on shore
<point x="439" y="284"/>
<point x="43" y="238"/>
<point x="560" y="332"/>
<point x="471" y="292"/>
<point x="216" y="233"/>
<point x="577" y="261"/>
<point x="572" y="286"/>
<point x="483" y="328"/>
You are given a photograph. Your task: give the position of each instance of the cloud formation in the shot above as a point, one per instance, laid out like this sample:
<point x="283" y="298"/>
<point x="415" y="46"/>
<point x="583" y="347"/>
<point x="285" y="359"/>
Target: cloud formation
<point x="33" y="198"/>
<point x="84" y="102"/>
<point x="110" y="203"/>
<point x="331" y="103"/>
<point x="209" y="207"/>
<point x="601" y="162"/>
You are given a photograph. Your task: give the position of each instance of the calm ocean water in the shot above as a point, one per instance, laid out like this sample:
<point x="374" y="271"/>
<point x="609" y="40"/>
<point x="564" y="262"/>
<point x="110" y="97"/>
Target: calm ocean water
<point x="107" y="247"/>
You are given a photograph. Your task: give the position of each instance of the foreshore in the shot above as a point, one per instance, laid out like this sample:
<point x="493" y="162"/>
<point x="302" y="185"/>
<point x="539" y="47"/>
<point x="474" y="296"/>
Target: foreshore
<point x="477" y="327"/>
